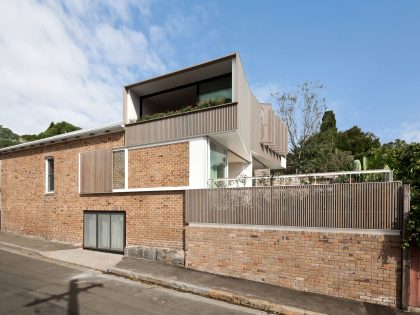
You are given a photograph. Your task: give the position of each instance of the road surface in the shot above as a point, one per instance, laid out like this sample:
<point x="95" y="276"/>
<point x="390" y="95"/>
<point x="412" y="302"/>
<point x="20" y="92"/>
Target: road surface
<point x="38" y="286"/>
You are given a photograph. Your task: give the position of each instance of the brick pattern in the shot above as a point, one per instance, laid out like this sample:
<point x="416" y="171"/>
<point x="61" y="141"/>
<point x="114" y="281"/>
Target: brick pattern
<point x="118" y="170"/>
<point x="153" y="219"/>
<point x="355" y="266"/>
<point x="159" y="166"/>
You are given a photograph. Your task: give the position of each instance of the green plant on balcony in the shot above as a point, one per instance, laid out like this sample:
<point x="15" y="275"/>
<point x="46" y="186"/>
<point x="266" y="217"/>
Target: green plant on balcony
<point x="201" y="105"/>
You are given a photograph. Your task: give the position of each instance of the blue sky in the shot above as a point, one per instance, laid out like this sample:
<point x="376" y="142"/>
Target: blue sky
<point x="69" y="61"/>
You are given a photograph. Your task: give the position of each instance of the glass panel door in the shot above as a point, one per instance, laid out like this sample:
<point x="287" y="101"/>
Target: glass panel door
<point x="117" y="232"/>
<point x="89" y="230"/>
<point x="104" y="231"/>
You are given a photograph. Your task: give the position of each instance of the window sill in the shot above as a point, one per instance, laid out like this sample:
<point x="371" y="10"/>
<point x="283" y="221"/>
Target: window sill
<point x="50" y="193"/>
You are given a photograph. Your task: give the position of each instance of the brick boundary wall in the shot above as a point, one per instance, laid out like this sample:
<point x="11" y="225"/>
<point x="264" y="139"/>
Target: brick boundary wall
<point x="363" y="267"/>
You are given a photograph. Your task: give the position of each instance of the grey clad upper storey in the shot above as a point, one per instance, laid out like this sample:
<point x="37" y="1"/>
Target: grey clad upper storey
<point x="210" y="99"/>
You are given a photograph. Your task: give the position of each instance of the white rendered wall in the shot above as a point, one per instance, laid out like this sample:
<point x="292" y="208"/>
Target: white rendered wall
<point x="199" y="162"/>
<point x="283" y="162"/>
<point x="133" y="107"/>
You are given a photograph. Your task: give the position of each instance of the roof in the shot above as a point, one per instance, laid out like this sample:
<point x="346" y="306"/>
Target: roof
<point x="174" y="73"/>
<point x="74" y="135"/>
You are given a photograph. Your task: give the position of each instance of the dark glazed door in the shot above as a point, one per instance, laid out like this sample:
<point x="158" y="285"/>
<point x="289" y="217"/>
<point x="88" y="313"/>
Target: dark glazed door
<point x="104" y="231"/>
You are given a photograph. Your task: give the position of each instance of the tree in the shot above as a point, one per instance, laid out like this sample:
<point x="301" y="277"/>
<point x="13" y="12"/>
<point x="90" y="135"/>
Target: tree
<point x="301" y="111"/>
<point x="7" y="137"/>
<point x="404" y="160"/>
<point x="357" y="142"/>
<point x="320" y="153"/>
<point x="53" y="130"/>
<point x="328" y="121"/>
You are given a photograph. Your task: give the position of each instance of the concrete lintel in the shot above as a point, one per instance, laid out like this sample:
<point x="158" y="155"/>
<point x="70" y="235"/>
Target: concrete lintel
<point x="297" y="229"/>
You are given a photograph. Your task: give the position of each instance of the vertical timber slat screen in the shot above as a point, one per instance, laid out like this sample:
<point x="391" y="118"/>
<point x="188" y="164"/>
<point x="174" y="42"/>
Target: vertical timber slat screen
<point x="96" y="172"/>
<point x="210" y="120"/>
<point x="357" y="206"/>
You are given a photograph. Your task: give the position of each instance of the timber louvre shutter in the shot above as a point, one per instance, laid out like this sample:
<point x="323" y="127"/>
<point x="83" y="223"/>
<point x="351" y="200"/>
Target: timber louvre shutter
<point x="96" y="172"/>
<point x="103" y="230"/>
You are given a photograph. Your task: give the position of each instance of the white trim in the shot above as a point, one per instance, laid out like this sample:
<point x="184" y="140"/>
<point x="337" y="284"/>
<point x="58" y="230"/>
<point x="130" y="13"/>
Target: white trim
<point x="164" y="188"/>
<point x="79" y="174"/>
<point x="157" y="144"/>
<point x="70" y="136"/>
<point x="47" y="191"/>
<point x="296" y="229"/>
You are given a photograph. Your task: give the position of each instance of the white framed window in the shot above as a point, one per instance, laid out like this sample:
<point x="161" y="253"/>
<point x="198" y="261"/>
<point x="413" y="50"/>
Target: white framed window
<point x="49" y="175"/>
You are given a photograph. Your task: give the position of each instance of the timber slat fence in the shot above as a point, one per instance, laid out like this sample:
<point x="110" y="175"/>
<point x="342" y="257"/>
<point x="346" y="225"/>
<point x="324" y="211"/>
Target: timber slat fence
<point x="356" y="205"/>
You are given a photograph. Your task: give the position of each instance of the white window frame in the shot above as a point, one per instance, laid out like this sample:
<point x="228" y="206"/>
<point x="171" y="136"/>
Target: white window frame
<point x="47" y="187"/>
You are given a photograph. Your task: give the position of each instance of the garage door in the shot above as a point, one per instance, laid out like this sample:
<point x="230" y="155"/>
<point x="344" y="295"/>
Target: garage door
<point x="104" y="231"/>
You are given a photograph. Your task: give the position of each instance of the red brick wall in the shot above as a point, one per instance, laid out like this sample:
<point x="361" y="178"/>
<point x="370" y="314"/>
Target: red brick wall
<point x="153" y="219"/>
<point x="159" y="166"/>
<point x="356" y="266"/>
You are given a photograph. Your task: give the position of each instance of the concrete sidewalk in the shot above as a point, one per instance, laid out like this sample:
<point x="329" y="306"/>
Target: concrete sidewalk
<point x="59" y="251"/>
<point x="257" y="295"/>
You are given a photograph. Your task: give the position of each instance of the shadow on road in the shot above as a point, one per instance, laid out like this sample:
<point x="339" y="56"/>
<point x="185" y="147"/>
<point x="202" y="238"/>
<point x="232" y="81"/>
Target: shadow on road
<point x="70" y="296"/>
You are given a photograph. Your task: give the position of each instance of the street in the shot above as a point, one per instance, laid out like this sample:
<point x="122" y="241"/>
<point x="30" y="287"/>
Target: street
<point x="34" y="286"/>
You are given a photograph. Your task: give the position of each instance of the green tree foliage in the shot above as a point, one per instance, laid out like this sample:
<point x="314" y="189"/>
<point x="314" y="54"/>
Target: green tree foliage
<point x="7" y="137"/>
<point x="357" y="142"/>
<point x="53" y="130"/>
<point x="404" y="160"/>
<point x="320" y="153"/>
<point x="329" y="122"/>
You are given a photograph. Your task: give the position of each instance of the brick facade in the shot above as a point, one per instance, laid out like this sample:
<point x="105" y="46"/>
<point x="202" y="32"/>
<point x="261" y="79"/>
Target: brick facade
<point x="159" y="166"/>
<point x="153" y="219"/>
<point x="356" y="266"/>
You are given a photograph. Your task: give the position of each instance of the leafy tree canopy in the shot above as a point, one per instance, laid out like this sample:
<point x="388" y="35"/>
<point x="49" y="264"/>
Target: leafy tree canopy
<point x="9" y="138"/>
<point x="53" y="130"/>
<point x="357" y="142"/>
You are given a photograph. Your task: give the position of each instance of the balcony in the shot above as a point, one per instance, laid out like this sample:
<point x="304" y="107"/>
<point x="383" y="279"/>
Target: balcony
<point x="211" y="120"/>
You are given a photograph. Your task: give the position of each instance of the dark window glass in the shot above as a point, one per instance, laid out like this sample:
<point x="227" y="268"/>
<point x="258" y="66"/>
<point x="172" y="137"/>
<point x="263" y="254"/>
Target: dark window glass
<point x="50" y="175"/>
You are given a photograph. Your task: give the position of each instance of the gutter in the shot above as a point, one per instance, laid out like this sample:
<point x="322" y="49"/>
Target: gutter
<point x="74" y="135"/>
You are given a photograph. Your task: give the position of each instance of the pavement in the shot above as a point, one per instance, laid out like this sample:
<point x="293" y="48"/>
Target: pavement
<point x="30" y="285"/>
<point x="256" y="295"/>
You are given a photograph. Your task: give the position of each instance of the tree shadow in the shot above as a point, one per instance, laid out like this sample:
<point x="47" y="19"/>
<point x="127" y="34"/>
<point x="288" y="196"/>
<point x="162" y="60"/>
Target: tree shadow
<point x="71" y="296"/>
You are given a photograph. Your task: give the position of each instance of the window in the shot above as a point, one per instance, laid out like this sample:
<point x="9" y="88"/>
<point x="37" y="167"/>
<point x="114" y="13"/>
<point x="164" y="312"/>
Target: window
<point x="50" y="175"/>
<point x="118" y="169"/>
<point x="218" y="161"/>
<point x="217" y="88"/>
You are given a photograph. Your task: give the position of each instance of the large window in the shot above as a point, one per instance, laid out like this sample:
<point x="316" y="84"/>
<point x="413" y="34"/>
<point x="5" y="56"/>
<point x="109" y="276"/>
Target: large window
<point x="49" y="162"/>
<point x="218" y="88"/>
<point x="218" y="161"/>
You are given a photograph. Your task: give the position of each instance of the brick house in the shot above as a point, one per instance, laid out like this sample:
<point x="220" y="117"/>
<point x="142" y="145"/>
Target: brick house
<point x="122" y="185"/>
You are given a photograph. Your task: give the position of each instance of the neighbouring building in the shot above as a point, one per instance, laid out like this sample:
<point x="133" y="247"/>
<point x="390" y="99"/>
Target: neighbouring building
<point x="123" y="184"/>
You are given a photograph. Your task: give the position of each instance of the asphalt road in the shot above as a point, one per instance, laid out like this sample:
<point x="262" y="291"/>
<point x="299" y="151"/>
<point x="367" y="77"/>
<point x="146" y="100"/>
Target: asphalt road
<point x="34" y="286"/>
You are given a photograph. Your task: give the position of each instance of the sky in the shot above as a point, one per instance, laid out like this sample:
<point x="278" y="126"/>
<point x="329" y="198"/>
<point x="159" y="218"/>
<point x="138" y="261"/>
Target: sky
<point x="68" y="60"/>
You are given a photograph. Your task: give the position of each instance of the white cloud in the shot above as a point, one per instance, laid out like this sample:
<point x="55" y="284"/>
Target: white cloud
<point x="69" y="61"/>
<point x="263" y="91"/>
<point x="409" y="131"/>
